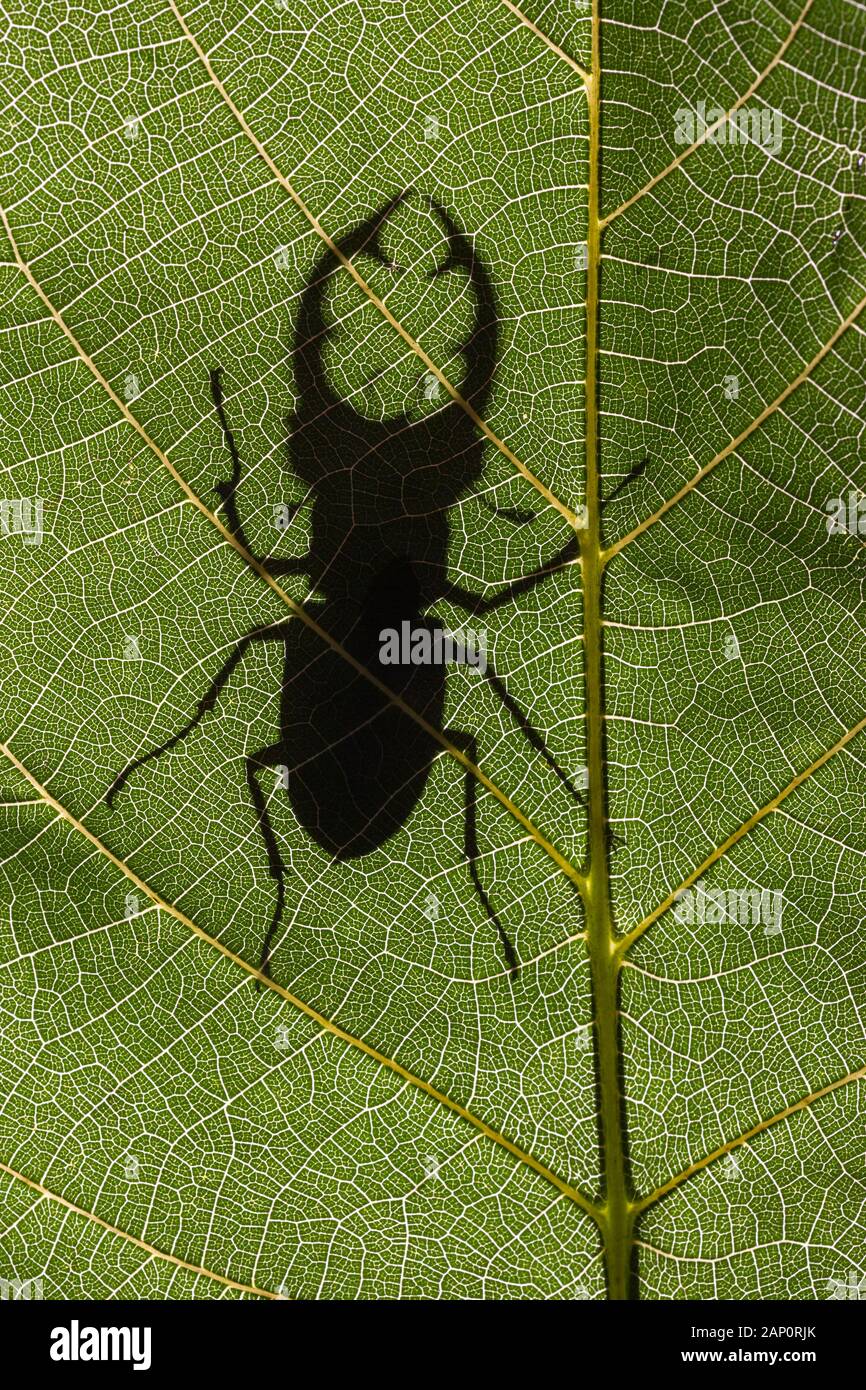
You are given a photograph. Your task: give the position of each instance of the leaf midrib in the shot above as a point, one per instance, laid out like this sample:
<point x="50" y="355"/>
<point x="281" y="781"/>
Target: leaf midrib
<point x="298" y="610"/>
<point x="600" y="1212"/>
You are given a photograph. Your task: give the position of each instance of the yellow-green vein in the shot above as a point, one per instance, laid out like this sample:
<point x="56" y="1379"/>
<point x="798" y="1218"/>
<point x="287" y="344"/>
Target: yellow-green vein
<point x="711" y="129"/>
<point x="666" y="1187"/>
<point x="326" y="1024"/>
<point x="740" y="439"/>
<point x="149" y="1249"/>
<point x="625" y="942"/>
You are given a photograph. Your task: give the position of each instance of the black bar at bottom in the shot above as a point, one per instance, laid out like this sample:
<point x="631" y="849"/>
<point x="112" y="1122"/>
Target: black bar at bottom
<point x="281" y="1338"/>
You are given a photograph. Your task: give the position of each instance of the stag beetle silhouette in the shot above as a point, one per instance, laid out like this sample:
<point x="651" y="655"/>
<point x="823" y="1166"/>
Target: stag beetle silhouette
<point x="357" y="764"/>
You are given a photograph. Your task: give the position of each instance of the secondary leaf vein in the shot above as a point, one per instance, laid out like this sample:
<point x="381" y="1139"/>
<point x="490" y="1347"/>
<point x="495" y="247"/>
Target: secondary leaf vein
<point x="326" y="1024"/>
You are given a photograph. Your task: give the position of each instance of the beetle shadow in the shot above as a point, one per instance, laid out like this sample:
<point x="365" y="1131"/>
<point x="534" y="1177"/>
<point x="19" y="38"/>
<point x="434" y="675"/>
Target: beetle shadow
<point x="353" y="763"/>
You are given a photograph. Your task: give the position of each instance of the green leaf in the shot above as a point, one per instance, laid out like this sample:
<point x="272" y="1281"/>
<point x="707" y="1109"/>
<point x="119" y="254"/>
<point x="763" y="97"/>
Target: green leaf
<point x="562" y="994"/>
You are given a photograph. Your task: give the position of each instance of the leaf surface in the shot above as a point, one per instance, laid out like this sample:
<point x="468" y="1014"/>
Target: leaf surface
<point x="600" y="385"/>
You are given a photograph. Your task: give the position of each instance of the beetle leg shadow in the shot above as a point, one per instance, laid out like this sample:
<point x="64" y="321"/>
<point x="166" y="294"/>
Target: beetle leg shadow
<point x="268" y="757"/>
<point x="205" y="704"/>
<point x="534" y="738"/>
<point x="278" y="633"/>
<point x="476" y="605"/>
<point x="265" y="757"/>
<point x="468" y="744"/>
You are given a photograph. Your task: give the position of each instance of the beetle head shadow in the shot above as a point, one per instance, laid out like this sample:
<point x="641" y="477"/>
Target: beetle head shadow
<point x="382" y="488"/>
